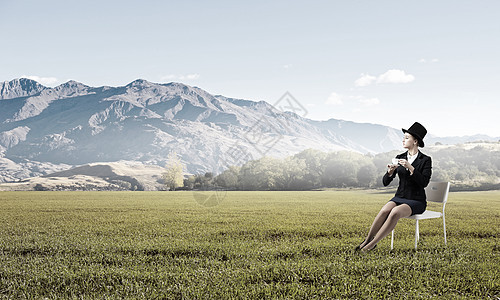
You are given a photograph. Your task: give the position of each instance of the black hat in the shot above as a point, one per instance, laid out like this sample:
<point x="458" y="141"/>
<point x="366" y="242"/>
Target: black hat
<point x="417" y="131"/>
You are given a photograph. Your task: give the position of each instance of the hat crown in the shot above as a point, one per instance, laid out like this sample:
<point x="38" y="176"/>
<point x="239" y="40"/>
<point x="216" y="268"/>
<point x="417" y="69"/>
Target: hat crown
<point x="418" y="131"/>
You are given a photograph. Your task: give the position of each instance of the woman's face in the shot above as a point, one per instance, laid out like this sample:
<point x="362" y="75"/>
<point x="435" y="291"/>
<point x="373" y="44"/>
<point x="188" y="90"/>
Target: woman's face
<point x="409" y="141"/>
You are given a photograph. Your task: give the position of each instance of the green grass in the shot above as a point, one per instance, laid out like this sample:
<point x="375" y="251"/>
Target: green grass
<point x="149" y="245"/>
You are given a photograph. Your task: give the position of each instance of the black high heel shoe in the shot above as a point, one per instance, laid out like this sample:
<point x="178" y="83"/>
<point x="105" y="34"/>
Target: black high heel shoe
<point x="358" y="248"/>
<point x="370" y="249"/>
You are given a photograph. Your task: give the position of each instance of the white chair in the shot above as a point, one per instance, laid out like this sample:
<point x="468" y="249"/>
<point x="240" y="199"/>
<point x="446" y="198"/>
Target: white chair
<point x="435" y="192"/>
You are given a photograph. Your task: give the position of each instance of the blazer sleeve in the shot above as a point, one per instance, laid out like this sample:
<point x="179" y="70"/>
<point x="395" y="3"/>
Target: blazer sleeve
<point x="422" y="176"/>
<point x="388" y="179"/>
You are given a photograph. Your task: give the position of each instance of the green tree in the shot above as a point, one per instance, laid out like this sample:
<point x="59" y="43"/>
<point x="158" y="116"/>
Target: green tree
<point x="205" y="181"/>
<point x="229" y="178"/>
<point x="173" y="175"/>
<point x="189" y="182"/>
<point x="367" y="175"/>
<point x="314" y="169"/>
<point x="260" y="174"/>
<point x="341" y="169"/>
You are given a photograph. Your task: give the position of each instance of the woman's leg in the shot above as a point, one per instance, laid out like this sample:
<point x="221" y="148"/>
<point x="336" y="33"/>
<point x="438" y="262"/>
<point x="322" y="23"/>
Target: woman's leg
<point x="396" y="213"/>
<point x="378" y="222"/>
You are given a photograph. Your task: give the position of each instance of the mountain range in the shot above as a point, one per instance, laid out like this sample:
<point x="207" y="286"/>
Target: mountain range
<point x="45" y="130"/>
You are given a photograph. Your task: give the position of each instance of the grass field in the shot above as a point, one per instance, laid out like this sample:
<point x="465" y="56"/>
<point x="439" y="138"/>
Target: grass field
<point x="297" y="245"/>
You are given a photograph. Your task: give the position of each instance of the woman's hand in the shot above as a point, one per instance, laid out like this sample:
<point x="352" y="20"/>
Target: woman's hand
<point x="407" y="165"/>
<point x="390" y="169"/>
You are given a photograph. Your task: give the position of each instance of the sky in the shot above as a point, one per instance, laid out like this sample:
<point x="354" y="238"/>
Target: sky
<point x="383" y="62"/>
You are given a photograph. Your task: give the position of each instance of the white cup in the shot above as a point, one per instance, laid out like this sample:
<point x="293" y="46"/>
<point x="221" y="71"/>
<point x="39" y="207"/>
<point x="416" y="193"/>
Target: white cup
<point x="395" y="161"/>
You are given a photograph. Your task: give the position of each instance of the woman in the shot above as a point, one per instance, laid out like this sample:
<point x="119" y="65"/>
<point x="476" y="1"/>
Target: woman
<point x="414" y="170"/>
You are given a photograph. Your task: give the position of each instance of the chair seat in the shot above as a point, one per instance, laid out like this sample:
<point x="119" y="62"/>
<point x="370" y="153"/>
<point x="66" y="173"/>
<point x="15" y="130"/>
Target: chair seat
<point x="428" y="214"/>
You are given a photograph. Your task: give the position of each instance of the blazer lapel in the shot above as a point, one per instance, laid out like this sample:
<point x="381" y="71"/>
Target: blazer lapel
<point x="418" y="160"/>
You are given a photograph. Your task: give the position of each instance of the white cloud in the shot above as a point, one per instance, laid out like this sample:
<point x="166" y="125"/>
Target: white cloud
<point x="180" y="77"/>
<point x="395" y="76"/>
<point x="42" y="80"/>
<point x="190" y="77"/>
<point x="365" y="80"/>
<point x="370" y="101"/>
<point x="391" y="76"/>
<point x="287" y="66"/>
<point x="423" y="60"/>
<point x="334" y="99"/>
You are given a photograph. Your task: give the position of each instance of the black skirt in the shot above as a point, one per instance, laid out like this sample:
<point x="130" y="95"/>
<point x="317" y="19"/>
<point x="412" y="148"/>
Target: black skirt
<point x="417" y="207"/>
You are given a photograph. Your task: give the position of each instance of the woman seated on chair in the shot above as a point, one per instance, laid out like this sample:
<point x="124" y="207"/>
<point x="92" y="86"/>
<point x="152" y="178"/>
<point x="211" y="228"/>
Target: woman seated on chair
<point x="414" y="170"/>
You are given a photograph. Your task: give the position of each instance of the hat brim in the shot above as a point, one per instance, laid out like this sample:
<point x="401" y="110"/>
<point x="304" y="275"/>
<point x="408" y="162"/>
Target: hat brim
<point x="419" y="139"/>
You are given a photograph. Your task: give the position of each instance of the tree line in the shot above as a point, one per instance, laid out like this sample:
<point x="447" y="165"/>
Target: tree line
<point x="467" y="169"/>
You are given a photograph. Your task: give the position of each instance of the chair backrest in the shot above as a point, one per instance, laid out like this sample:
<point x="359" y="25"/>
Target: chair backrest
<point x="437" y="191"/>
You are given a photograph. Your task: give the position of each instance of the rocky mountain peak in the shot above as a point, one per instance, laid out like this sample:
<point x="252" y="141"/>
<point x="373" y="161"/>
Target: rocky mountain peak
<point x="140" y="83"/>
<point x="72" y="84"/>
<point x="21" y="87"/>
<point x="143" y="93"/>
<point x="72" y="87"/>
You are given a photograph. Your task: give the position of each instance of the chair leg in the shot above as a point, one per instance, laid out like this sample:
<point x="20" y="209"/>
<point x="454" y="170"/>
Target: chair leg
<point x="444" y="229"/>
<point x="392" y="240"/>
<point x="417" y="235"/>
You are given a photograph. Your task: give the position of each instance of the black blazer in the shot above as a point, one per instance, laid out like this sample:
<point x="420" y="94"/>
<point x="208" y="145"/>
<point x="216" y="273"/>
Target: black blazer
<point x="412" y="186"/>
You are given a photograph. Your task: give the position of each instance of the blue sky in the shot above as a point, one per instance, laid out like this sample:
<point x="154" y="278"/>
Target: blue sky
<point x="384" y="62"/>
